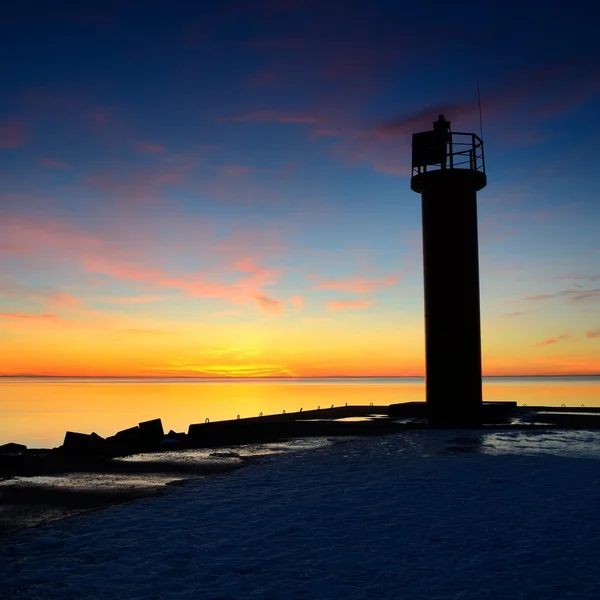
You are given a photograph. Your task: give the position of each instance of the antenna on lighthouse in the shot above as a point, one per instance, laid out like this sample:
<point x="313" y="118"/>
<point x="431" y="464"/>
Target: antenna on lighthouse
<point x="479" y="102"/>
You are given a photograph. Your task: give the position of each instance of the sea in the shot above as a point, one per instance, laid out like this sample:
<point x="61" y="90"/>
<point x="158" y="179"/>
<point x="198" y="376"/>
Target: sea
<point x="37" y="411"/>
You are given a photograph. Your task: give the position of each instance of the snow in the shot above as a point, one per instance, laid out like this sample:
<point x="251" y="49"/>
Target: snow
<point x="431" y="515"/>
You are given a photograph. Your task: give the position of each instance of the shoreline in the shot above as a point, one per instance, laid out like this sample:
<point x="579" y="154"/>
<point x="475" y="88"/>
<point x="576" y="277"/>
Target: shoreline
<point x="27" y="502"/>
<point x="84" y="492"/>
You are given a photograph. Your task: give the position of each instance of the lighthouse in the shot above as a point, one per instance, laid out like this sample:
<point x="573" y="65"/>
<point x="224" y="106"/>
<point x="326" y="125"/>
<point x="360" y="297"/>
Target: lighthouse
<point x="448" y="170"/>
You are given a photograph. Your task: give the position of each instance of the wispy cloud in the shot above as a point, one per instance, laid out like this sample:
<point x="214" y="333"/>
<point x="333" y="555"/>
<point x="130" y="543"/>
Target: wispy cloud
<point x="45" y="318"/>
<point x="297" y="302"/>
<point x="358" y="285"/>
<point x="571" y="296"/>
<point x="149" y="148"/>
<point x="134" y="299"/>
<point x="12" y="133"/>
<point x="234" y="370"/>
<point x="592" y="334"/>
<point x="270" y="306"/>
<point x="575" y="277"/>
<point x="141" y="331"/>
<point x="555" y="340"/>
<point x="48" y="298"/>
<point x="512" y="315"/>
<point x="340" y="305"/>
<point x="53" y="163"/>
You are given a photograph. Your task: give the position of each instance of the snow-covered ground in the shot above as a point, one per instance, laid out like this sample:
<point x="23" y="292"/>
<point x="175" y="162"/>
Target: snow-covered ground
<point x="431" y="515"/>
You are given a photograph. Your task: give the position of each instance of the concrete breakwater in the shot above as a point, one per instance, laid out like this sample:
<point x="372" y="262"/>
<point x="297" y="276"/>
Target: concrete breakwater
<point x="93" y="453"/>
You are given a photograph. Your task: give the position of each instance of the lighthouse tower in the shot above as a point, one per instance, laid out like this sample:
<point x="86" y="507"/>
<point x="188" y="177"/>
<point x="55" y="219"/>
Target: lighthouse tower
<point x="448" y="170"/>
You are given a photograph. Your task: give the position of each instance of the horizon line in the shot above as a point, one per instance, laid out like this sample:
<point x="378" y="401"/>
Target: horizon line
<point x="277" y="377"/>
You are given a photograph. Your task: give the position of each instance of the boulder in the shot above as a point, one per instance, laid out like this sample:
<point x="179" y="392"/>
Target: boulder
<point x="152" y="430"/>
<point x="83" y="442"/>
<point x="12" y="448"/>
<point x="130" y="435"/>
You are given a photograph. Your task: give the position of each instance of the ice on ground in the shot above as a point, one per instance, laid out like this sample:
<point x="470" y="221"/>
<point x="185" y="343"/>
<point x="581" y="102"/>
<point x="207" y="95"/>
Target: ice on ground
<point x="431" y="515"/>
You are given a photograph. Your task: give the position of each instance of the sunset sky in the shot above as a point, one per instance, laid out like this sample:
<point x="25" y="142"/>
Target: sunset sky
<point x="222" y="188"/>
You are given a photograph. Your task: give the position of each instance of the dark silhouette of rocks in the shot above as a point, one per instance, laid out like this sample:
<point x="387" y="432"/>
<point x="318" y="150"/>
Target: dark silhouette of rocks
<point x="82" y="452"/>
<point x="82" y="442"/>
<point x="12" y="448"/>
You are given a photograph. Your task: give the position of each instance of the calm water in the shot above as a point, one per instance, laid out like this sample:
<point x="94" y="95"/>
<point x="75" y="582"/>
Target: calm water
<point x="37" y="411"/>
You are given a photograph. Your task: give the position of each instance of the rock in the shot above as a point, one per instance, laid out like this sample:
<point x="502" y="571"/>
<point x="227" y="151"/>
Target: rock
<point x="12" y="448"/>
<point x="83" y="442"/>
<point x="152" y="430"/>
<point x="168" y="441"/>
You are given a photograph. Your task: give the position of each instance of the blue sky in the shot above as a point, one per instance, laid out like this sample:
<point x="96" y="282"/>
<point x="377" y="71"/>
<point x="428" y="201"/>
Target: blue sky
<point x="223" y="166"/>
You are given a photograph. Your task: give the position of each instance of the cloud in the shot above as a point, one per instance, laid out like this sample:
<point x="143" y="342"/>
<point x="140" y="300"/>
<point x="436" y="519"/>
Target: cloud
<point x="221" y="351"/>
<point x="45" y="318"/>
<point x="592" y="334"/>
<point x="249" y="370"/>
<point x="234" y="272"/>
<point x="270" y="306"/>
<point x="12" y="133"/>
<point x="99" y="116"/>
<point x="556" y="340"/>
<point x="10" y="249"/>
<point x="358" y="285"/>
<point x="571" y="296"/>
<point x="580" y="277"/>
<point x="511" y="315"/>
<point x="134" y="299"/>
<point x="63" y="300"/>
<point x="149" y="148"/>
<point x="297" y="302"/>
<point x="52" y="299"/>
<point x="340" y="305"/>
<point x="140" y="331"/>
<point x="53" y="163"/>
<point x="238" y="291"/>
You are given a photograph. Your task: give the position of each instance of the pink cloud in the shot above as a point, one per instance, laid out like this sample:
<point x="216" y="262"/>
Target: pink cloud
<point x="348" y="305"/>
<point x="358" y="285"/>
<point x="53" y="163"/>
<point x="10" y="249"/>
<point x="235" y="271"/>
<point x="131" y="187"/>
<point x="556" y="340"/>
<point x="270" y="306"/>
<point x="297" y="302"/>
<point x="12" y="134"/>
<point x="64" y="300"/>
<point x="149" y="148"/>
<point x="239" y="291"/>
<point x="512" y="315"/>
<point x="592" y="334"/>
<point x="100" y="116"/>
<point x="134" y="299"/>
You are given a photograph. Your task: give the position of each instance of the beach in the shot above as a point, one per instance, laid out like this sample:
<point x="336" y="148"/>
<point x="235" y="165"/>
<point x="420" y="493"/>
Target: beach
<point x="423" y="514"/>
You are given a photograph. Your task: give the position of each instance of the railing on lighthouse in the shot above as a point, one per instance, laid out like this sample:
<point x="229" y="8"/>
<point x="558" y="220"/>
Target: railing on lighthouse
<point x="441" y="149"/>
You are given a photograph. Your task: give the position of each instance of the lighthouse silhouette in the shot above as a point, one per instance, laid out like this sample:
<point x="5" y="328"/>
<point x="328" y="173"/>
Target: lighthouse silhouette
<point x="448" y="169"/>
